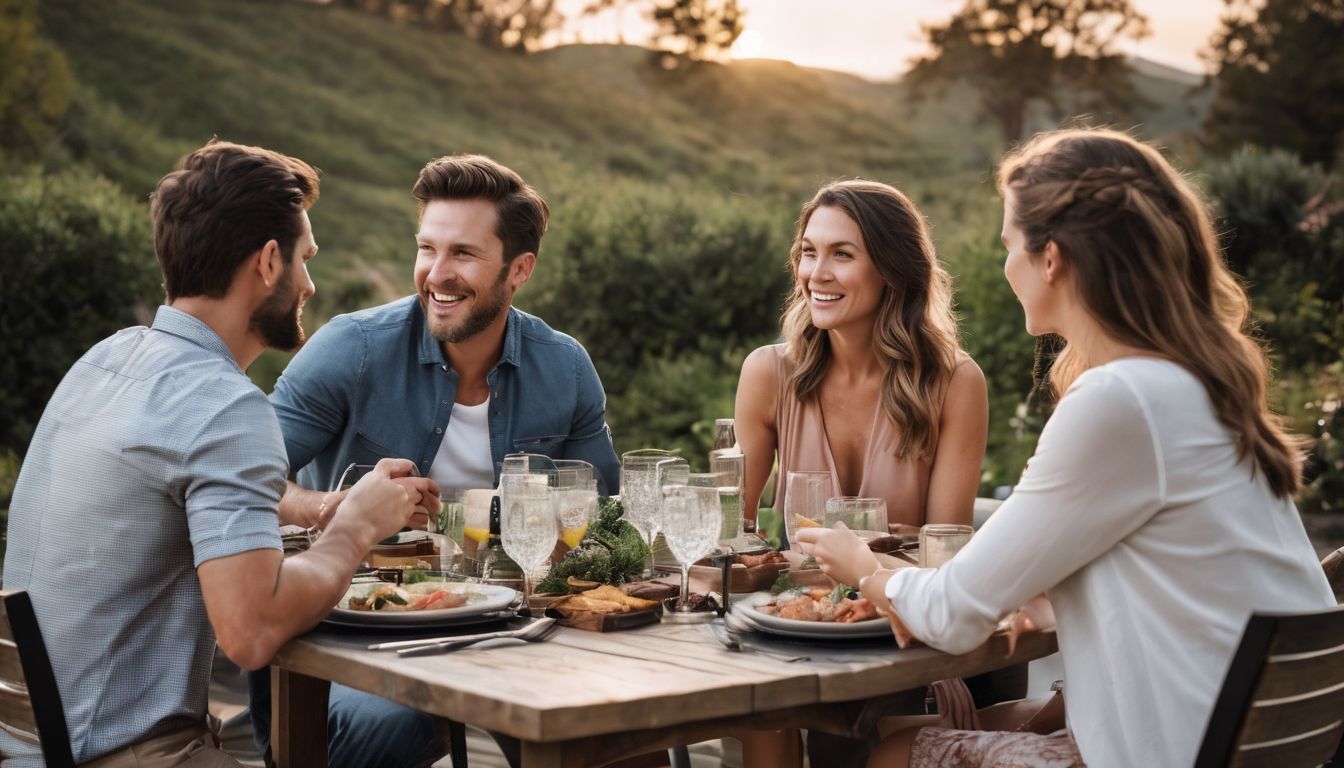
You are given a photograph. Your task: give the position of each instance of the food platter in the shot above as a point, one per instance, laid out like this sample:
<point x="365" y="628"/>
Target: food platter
<point x="483" y="600"/>
<point x="746" y="610"/>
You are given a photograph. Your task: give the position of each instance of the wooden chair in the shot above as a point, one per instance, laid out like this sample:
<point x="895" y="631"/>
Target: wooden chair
<point x="1282" y="702"/>
<point x="1334" y="572"/>
<point x="29" y="700"/>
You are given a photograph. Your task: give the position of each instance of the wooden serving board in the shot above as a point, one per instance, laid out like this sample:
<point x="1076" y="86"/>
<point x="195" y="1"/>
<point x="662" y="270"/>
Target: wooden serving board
<point x="608" y="622"/>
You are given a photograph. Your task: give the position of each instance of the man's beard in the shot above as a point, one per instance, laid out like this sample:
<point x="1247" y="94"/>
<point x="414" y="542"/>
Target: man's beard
<point x="481" y="316"/>
<point x="279" y="319"/>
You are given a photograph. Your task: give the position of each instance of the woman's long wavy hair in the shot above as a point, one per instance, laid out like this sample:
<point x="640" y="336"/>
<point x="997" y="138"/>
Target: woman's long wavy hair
<point x="915" y="334"/>
<point x="1144" y="254"/>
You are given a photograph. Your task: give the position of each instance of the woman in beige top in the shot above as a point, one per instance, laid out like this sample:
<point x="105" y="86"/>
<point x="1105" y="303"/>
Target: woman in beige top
<point x="871" y="384"/>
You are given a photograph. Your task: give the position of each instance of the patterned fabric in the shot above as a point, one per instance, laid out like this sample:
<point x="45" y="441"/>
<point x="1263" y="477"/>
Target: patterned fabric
<point x="945" y="748"/>
<point x="154" y="455"/>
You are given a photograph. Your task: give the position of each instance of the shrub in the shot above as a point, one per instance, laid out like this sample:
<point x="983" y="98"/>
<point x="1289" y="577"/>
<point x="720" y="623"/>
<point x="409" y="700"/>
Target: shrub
<point x="76" y="264"/>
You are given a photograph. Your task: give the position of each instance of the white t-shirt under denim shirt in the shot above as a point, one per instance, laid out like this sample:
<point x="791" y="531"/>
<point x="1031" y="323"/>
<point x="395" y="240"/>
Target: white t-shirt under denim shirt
<point x="1154" y="542"/>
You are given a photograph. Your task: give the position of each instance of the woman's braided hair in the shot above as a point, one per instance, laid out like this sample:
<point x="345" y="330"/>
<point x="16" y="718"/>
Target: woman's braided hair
<point x="1142" y="249"/>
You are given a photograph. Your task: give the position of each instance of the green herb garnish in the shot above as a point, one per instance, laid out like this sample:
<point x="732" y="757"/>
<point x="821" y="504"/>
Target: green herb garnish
<point x="415" y="576"/>
<point x="841" y="592"/>
<point x="783" y="584"/>
<point x="612" y="552"/>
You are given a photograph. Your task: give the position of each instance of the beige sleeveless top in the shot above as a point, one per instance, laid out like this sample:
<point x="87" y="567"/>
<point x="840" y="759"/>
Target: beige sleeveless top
<point x="803" y="445"/>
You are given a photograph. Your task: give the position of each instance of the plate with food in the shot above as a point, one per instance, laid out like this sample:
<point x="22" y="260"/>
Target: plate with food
<point x="425" y="602"/>
<point x="813" y="613"/>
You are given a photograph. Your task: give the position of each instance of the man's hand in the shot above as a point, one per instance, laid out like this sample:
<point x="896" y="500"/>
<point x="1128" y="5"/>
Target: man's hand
<point x="842" y="555"/>
<point x="424" y="494"/>
<point x="382" y="502"/>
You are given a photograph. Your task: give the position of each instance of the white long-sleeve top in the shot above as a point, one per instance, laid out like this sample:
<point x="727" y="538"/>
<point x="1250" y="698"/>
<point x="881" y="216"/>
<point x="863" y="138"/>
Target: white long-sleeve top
<point x="1154" y="543"/>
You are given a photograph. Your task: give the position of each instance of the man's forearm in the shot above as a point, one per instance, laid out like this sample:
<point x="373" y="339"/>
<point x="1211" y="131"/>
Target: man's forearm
<point x="300" y="506"/>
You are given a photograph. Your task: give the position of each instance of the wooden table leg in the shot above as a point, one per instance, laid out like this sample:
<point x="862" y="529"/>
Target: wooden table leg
<point x="298" y="720"/>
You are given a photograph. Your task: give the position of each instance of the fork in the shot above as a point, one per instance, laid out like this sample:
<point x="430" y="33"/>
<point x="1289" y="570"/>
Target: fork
<point x="730" y="640"/>
<point x="537" y="630"/>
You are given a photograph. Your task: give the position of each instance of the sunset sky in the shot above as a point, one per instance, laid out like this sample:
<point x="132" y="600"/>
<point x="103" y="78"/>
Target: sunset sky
<point x="877" y="38"/>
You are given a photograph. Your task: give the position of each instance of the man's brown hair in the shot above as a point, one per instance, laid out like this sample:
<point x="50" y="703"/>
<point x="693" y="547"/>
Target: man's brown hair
<point x="520" y="211"/>
<point x="224" y="202"/>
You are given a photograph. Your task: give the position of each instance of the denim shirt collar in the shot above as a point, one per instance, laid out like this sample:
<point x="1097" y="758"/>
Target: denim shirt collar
<point x="431" y="353"/>
<point x="187" y="326"/>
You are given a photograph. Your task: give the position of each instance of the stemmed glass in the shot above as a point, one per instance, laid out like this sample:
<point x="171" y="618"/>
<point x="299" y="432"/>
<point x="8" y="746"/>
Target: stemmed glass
<point x="865" y="517"/>
<point x="528" y="527"/>
<point x="639" y="492"/>
<point x="690" y="522"/>
<point x="575" y="488"/>
<point x="804" y="501"/>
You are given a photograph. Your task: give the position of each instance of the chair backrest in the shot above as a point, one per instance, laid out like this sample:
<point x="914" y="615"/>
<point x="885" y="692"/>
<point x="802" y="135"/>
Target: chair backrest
<point x="1282" y="702"/>
<point x="1334" y="572"/>
<point x="29" y="700"/>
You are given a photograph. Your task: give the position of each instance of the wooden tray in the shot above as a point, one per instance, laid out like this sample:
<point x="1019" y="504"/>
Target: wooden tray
<point x="608" y="622"/>
<point x="741" y="578"/>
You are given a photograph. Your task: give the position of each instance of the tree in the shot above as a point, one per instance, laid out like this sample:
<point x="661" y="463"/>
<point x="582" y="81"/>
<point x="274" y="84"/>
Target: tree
<point x="35" y="80"/>
<point x="1279" y="78"/>
<point x="1016" y="53"/>
<point x="697" y="29"/>
<point x="516" y="25"/>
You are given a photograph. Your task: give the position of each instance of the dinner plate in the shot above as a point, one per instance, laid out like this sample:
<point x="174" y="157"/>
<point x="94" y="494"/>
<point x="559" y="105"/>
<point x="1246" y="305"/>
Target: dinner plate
<point x="745" y="609"/>
<point x="491" y="597"/>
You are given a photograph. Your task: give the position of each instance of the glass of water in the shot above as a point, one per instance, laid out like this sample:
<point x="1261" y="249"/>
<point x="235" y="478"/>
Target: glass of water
<point x="865" y="517"/>
<point x="690" y="525"/>
<point x="528" y="527"/>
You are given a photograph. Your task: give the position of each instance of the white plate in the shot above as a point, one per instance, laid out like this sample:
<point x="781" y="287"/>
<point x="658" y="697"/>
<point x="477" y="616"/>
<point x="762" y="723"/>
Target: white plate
<point x="482" y="598"/>
<point x="745" y="609"/>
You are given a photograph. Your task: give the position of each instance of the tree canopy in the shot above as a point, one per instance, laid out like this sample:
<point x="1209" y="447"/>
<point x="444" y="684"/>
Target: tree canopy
<point x="1017" y="53"/>
<point x="1279" y="78"/>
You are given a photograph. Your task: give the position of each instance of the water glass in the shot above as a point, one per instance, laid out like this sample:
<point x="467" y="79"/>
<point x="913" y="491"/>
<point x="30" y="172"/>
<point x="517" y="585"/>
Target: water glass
<point x="866" y="517"/>
<point x="730" y="467"/>
<point x="938" y="542"/>
<point x="805" y="496"/>
<point x="528" y="527"/>
<point x="576" y="505"/>
<point x="690" y="525"/>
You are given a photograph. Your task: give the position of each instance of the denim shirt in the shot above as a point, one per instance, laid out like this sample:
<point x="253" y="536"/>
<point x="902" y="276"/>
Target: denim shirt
<point x="374" y="384"/>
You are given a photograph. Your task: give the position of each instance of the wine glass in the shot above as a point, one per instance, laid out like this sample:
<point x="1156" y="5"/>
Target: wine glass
<point x="575" y="484"/>
<point x="804" y="501"/>
<point x="639" y="491"/>
<point x="528" y="527"/>
<point x="690" y="524"/>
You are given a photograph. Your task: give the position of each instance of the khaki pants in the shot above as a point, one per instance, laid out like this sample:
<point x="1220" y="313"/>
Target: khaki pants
<point x="192" y="747"/>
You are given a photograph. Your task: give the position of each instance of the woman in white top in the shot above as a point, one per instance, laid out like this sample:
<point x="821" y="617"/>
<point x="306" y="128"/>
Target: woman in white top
<point x="1157" y="512"/>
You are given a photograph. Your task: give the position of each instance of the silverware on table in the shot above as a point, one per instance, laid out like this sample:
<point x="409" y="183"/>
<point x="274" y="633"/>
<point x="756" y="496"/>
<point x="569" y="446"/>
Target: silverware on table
<point x="443" y="643"/>
<point x="729" y="639"/>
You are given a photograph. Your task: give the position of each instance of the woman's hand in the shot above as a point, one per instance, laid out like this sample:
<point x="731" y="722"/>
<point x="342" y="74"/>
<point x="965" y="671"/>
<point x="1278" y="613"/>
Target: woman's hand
<point x="842" y="555"/>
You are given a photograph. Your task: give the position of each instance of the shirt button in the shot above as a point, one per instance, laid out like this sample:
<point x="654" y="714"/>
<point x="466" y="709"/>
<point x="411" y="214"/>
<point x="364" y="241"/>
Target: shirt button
<point x="444" y="367"/>
<point x="438" y="430"/>
<point x="443" y="402"/>
<point x="495" y="393"/>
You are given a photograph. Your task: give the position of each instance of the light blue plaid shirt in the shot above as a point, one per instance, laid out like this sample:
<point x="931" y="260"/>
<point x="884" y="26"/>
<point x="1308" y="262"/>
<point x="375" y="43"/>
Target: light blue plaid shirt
<point x="155" y="454"/>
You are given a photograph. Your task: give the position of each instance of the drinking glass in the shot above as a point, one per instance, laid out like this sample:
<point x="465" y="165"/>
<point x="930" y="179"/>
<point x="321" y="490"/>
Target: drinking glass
<point x="730" y="467"/>
<point x="804" y="501"/>
<point x="690" y="523"/>
<point x="639" y="492"/>
<point x="938" y="542"/>
<point x="451" y="523"/>
<point x="865" y="517"/>
<point x="575" y="487"/>
<point x="528" y="528"/>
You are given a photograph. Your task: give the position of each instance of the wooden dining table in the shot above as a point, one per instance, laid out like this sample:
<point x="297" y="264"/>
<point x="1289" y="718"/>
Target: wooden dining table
<point x="584" y="698"/>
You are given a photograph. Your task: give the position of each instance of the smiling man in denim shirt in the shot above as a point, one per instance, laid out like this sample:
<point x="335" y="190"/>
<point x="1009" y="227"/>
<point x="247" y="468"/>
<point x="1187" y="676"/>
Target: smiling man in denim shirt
<point x="454" y="377"/>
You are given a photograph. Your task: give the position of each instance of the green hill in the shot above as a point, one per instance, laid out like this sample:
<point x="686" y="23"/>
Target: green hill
<point x="369" y="100"/>
<point x="673" y="192"/>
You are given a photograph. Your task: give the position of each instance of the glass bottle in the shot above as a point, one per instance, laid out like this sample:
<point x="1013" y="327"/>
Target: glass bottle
<point x="495" y="562"/>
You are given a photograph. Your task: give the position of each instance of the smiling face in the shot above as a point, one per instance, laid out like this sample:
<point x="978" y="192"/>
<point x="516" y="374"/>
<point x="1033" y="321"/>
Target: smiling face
<point x="460" y="275"/>
<point x="835" y="273"/>
<point x="279" y="320"/>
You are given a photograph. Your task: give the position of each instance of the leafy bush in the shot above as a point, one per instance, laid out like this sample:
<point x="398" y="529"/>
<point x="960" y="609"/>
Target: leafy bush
<point x="1286" y="237"/>
<point x="76" y="263"/>
<point x="667" y="289"/>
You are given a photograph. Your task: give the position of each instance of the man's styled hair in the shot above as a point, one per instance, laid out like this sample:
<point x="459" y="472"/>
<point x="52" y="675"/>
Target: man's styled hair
<point x="521" y="212"/>
<point x="223" y="203"/>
